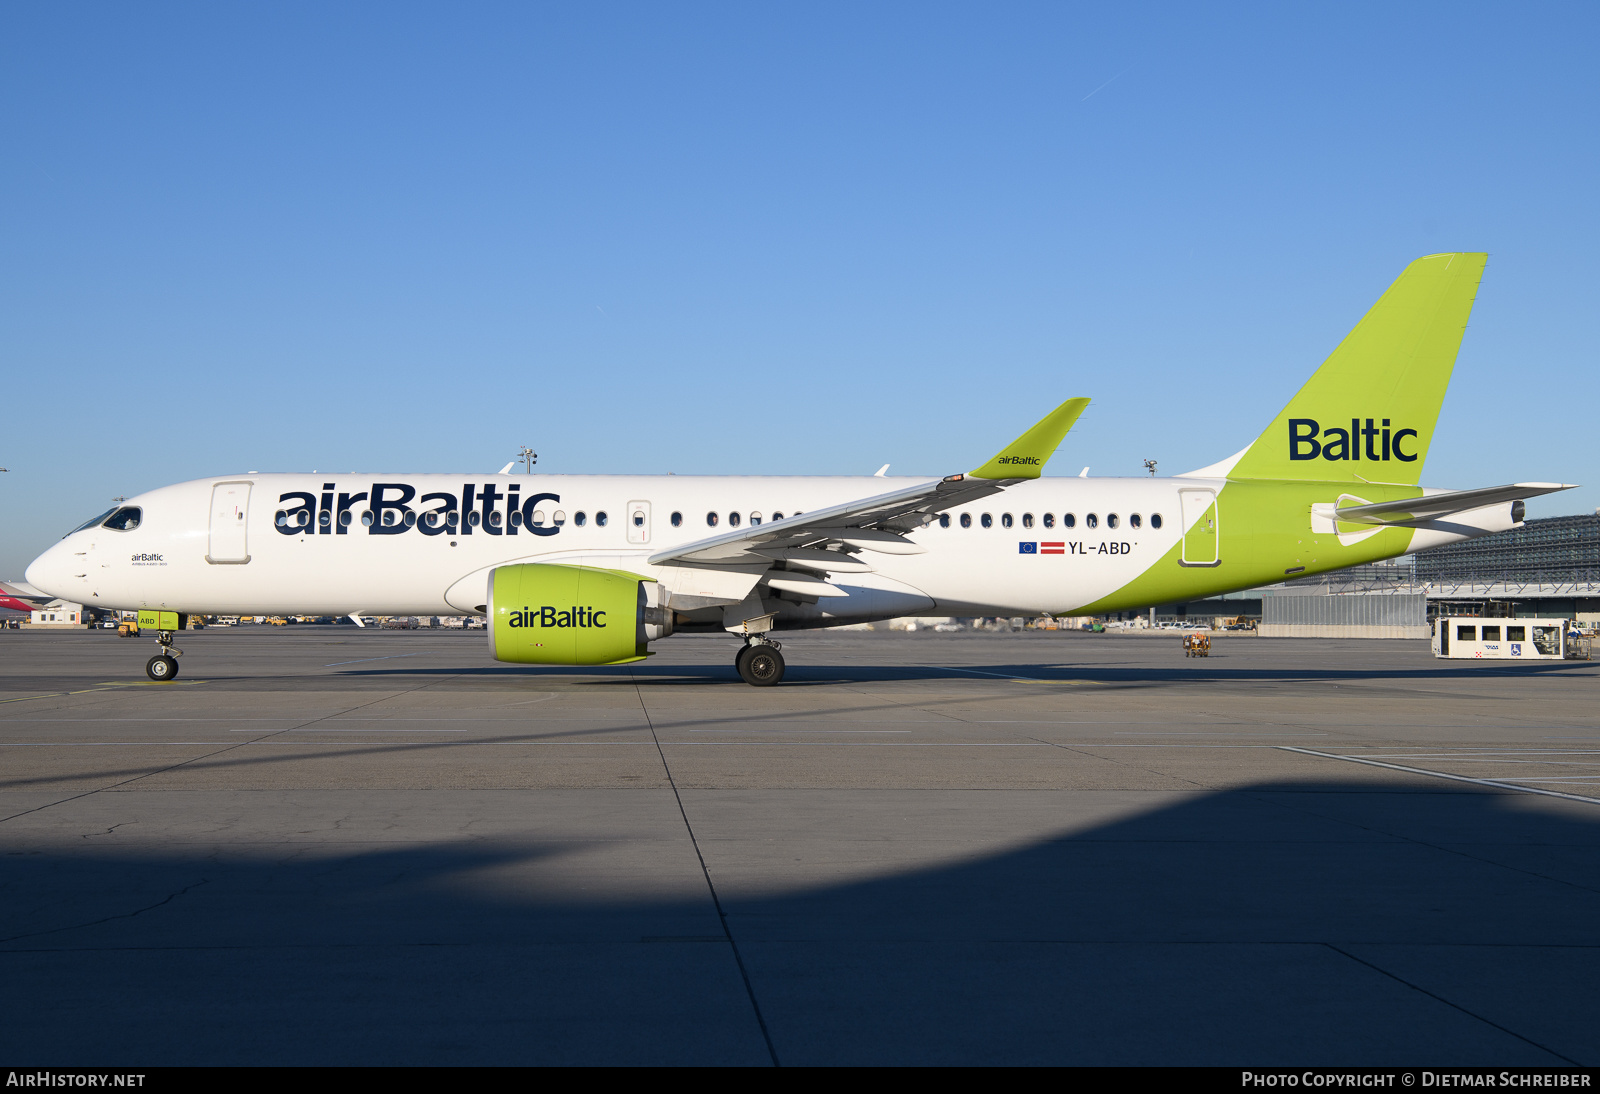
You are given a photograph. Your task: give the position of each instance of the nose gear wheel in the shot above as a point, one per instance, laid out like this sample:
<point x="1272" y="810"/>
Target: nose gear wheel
<point x="164" y="665"/>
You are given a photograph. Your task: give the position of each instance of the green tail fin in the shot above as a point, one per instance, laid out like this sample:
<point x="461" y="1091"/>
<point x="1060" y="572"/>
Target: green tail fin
<point x="1368" y="414"/>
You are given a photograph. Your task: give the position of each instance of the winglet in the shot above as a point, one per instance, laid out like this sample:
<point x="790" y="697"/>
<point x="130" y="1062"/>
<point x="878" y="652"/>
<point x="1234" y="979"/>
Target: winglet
<point x="1025" y="457"/>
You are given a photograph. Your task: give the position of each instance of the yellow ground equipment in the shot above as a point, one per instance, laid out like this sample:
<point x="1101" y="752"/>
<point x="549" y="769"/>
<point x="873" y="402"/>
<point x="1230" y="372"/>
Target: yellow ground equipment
<point x="1196" y="645"/>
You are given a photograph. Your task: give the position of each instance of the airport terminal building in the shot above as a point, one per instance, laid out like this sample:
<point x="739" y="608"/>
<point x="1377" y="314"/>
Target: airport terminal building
<point x="1543" y="550"/>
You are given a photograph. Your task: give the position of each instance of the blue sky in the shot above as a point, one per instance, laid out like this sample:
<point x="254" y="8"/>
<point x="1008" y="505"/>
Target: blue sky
<point x="765" y="238"/>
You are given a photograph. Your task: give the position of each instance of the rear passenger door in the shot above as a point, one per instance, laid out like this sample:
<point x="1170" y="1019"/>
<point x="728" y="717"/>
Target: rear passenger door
<point x="1202" y="530"/>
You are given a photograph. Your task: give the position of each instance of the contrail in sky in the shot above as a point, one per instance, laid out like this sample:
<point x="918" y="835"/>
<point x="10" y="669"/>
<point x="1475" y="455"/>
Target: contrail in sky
<point x="1102" y="87"/>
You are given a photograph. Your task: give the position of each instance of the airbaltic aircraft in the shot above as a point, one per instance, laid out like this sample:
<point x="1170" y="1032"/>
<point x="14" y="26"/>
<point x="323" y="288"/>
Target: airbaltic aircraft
<point x="588" y="570"/>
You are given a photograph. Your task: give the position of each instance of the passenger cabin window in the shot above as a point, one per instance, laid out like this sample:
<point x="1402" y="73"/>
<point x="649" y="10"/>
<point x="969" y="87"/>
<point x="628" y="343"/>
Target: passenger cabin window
<point x="560" y="518"/>
<point x="1092" y="521"/>
<point x="966" y="520"/>
<point x="1111" y="520"/>
<point x="325" y="518"/>
<point x="733" y="520"/>
<point x="1068" y="520"/>
<point x="986" y="520"/>
<point x="711" y="520"/>
<point x="125" y="519"/>
<point x="516" y="519"/>
<point x="1049" y="520"/>
<point x="366" y="517"/>
<point x="755" y="518"/>
<point x="600" y="519"/>
<point x="1135" y="520"/>
<point x="1466" y="634"/>
<point x="1005" y="520"/>
<point x="777" y="516"/>
<point x="944" y="520"/>
<point x="1027" y="520"/>
<point x="1516" y="634"/>
<point x="677" y="520"/>
<point x="1491" y="634"/>
<point x="580" y="518"/>
<point x="1155" y="520"/>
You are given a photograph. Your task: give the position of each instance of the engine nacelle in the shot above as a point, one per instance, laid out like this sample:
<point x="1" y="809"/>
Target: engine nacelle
<point x="547" y="614"/>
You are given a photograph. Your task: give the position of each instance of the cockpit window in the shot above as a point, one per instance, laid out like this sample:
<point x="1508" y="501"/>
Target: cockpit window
<point x="125" y="519"/>
<point x="91" y="523"/>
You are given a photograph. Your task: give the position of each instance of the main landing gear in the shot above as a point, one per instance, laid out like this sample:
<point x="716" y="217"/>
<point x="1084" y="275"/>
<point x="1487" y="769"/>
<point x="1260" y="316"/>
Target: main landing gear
<point x="164" y="665"/>
<point x="759" y="662"/>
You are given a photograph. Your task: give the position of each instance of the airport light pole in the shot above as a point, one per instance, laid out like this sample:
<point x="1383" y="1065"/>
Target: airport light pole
<point x="528" y="457"/>
<point x="1150" y="466"/>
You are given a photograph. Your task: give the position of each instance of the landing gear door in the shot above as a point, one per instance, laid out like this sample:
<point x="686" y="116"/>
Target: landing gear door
<point x="1201" y="527"/>
<point x="230" y="510"/>
<point x="638" y="518"/>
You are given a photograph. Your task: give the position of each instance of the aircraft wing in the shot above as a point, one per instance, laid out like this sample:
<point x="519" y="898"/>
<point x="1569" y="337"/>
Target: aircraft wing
<point x="823" y="538"/>
<point x="19" y="596"/>
<point x="870" y="523"/>
<point x="1433" y="506"/>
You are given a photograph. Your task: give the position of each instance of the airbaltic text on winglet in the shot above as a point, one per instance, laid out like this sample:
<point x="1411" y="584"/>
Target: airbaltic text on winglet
<point x="1030" y="461"/>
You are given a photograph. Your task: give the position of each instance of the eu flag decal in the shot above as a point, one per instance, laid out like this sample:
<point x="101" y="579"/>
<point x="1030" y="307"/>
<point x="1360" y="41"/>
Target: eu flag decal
<point x="1027" y="548"/>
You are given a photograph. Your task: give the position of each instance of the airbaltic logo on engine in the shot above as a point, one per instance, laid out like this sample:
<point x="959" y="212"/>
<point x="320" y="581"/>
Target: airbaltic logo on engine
<point x="1336" y="443"/>
<point x="546" y="616"/>
<point x="1028" y="461"/>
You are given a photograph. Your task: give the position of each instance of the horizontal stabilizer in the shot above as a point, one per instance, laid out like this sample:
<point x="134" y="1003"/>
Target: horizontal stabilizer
<point x="1433" y="506"/>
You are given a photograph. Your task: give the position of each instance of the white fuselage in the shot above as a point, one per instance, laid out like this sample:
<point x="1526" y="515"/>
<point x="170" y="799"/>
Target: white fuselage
<point x="174" y="558"/>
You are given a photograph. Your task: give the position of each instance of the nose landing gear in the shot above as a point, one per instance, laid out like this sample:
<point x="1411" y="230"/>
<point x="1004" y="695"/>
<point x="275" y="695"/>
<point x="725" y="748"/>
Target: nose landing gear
<point x="759" y="662"/>
<point x="164" y="665"/>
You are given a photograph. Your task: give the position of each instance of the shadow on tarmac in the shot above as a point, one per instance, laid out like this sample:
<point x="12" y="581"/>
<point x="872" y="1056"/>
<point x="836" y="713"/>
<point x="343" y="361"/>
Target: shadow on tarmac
<point x="1274" y="924"/>
<point x="813" y="673"/>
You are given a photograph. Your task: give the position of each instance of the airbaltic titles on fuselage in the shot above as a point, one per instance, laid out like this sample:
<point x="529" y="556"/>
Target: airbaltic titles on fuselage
<point x="386" y="509"/>
<point x="389" y="512"/>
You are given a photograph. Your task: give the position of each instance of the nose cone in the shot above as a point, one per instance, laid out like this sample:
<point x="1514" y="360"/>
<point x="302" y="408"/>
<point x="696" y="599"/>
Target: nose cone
<point x="48" y="573"/>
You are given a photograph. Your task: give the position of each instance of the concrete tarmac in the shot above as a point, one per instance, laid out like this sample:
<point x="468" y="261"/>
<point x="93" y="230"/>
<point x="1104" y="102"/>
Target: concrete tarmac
<point x="328" y="846"/>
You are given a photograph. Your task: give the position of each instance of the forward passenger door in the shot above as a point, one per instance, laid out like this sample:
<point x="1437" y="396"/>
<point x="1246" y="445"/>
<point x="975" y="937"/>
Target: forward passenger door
<point x="230" y="510"/>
